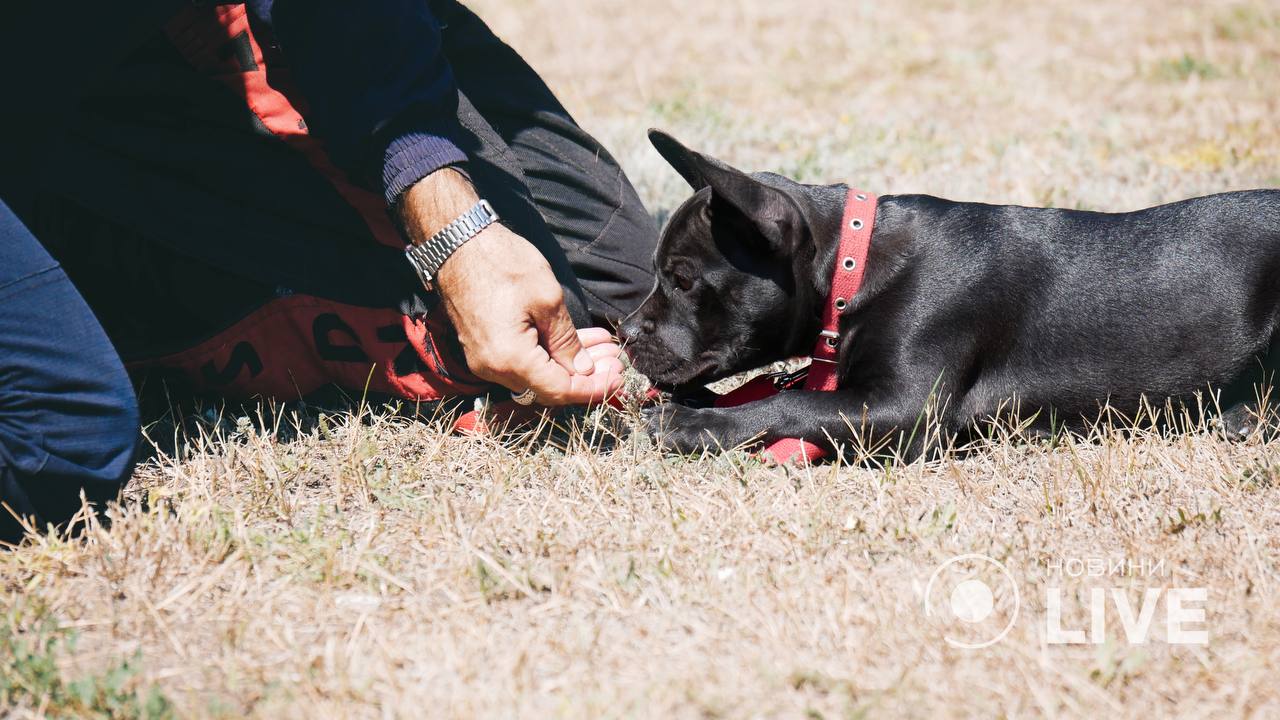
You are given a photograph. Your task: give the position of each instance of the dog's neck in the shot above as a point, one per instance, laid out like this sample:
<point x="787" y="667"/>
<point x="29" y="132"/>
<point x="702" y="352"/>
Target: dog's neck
<point x="822" y="208"/>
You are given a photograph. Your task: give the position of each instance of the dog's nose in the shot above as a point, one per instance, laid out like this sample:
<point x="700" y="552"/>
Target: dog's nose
<point x="627" y="331"/>
<point x="632" y="328"/>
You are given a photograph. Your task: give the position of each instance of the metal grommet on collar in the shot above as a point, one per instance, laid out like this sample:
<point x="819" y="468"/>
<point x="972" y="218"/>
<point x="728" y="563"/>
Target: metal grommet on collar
<point x="861" y="196"/>
<point x="856" y="224"/>
<point x="841" y="303"/>
<point x="849" y="263"/>
<point x="832" y="342"/>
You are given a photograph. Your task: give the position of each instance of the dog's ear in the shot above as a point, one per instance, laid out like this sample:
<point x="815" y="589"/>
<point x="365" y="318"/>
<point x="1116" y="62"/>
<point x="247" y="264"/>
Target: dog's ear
<point x="685" y="161"/>
<point x="774" y="215"/>
<point x="738" y="198"/>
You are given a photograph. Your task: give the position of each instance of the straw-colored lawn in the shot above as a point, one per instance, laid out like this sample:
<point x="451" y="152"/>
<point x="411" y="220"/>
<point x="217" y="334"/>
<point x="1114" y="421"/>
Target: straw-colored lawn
<point x="386" y="569"/>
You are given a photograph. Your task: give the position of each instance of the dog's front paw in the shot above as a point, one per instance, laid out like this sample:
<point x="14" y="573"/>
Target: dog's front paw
<point x="1237" y="423"/>
<point x="685" y="430"/>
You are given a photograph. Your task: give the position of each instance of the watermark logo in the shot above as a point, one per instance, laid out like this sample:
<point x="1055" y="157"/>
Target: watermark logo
<point x="1102" y="592"/>
<point x="979" y="598"/>
<point x="1086" y="601"/>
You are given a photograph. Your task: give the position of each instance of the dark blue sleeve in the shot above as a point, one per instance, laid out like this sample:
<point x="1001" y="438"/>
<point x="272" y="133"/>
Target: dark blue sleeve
<point x="378" y="88"/>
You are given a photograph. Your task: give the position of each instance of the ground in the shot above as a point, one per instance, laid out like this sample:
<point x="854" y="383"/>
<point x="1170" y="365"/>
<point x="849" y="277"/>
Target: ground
<point x="381" y="568"/>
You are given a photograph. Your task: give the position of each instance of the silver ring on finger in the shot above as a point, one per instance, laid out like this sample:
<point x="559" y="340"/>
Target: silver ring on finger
<point x="525" y="398"/>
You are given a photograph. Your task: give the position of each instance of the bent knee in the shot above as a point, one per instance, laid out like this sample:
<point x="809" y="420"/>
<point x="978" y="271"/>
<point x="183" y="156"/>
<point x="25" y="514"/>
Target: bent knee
<point x="48" y="474"/>
<point x="119" y="449"/>
<point x="109" y="460"/>
<point x="83" y="438"/>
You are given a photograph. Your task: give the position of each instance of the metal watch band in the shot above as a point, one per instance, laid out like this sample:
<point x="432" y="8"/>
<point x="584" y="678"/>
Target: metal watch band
<point x="430" y="255"/>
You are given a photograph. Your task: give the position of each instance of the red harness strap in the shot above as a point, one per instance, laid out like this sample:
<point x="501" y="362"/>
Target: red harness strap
<point x="846" y="279"/>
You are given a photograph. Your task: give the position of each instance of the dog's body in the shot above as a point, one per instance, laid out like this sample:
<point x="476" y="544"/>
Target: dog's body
<point x="985" y="308"/>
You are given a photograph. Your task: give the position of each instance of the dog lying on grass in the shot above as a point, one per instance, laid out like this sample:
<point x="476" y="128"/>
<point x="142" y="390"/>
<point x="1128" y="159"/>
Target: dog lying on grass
<point x="976" y="307"/>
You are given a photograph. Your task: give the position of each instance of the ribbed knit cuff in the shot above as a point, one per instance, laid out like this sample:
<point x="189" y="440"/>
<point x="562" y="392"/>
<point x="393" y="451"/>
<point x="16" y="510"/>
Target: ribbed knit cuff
<point x="413" y="156"/>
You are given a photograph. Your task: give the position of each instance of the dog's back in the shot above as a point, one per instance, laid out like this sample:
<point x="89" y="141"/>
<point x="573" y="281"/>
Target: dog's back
<point x="1065" y="308"/>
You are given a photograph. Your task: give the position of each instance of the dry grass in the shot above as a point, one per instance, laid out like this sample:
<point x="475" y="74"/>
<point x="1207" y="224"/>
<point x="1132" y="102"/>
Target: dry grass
<point x="383" y="568"/>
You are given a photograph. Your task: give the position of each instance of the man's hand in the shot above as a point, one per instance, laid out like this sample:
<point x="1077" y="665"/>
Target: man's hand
<point x="508" y="307"/>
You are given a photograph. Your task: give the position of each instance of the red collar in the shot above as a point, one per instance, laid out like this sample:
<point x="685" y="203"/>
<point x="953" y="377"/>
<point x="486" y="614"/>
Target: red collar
<point x="846" y="279"/>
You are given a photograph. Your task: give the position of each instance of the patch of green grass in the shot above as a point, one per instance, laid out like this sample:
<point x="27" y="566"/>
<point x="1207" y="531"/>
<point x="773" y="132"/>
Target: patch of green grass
<point x="681" y="107"/>
<point x="1244" y="22"/>
<point x="1182" y="520"/>
<point x="1184" y="68"/>
<point x="1261" y="475"/>
<point x="31" y="643"/>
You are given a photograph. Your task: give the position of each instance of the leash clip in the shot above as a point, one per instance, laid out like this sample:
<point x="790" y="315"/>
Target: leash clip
<point x="788" y="380"/>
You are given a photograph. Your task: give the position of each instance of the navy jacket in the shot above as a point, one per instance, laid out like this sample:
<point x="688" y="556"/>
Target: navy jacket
<point x="379" y="90"/>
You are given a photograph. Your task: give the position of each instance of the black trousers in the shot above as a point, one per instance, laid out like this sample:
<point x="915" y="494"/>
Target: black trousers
<point x="188" y="213"/>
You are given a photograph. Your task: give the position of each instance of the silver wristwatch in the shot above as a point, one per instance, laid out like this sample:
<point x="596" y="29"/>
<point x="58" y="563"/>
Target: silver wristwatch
<point x="430" y="255"/>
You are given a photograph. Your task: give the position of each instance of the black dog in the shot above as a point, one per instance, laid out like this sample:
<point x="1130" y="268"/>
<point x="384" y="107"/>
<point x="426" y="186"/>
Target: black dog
<point x="976" y="306"/>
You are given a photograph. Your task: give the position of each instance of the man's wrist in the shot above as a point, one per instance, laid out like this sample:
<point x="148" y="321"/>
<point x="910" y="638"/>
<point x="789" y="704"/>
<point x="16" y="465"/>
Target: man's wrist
<point x="433" y="202"/>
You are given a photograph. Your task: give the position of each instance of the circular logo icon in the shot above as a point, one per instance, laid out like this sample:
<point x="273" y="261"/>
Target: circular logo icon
<point x="975" y="597"/>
